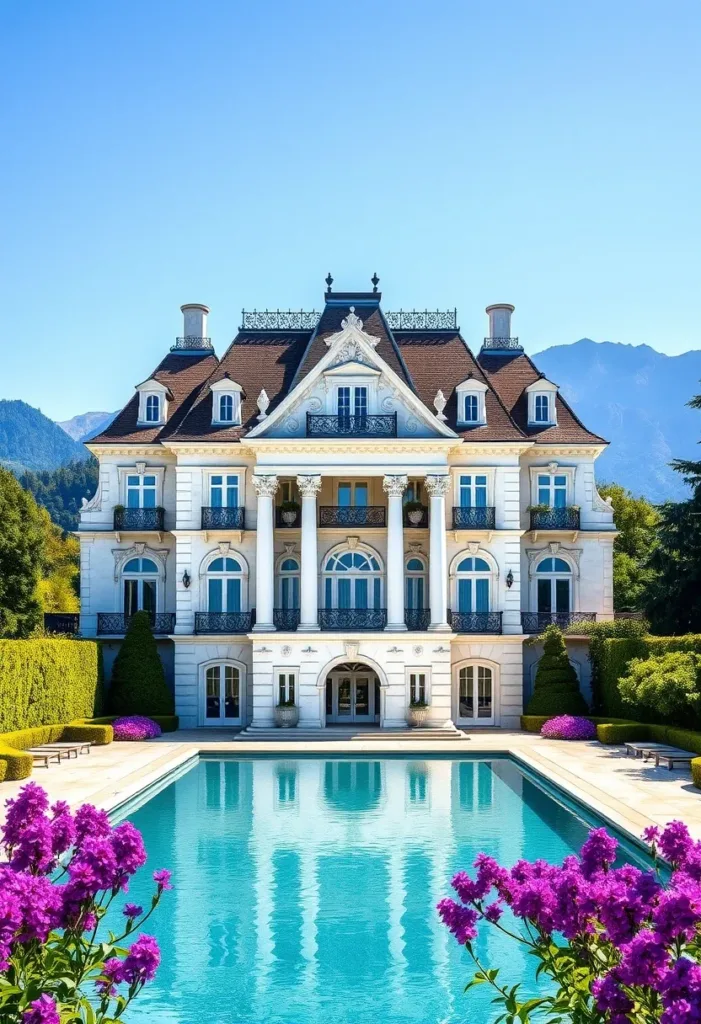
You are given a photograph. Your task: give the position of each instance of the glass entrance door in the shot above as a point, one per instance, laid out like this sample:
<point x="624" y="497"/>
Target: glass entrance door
<point x="351" y="697"/>
<point x="222" y="695"/>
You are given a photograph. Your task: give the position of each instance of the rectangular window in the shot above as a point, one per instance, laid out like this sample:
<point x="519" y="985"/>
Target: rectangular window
<point x="417" y="687"/>
<point x="344" y="402"/>
<point x="352" y="401"/>
<point x="473" y="491"/>
<point x="352" y="495"/>
<point x="471" y="409"/>
<point x="286" y="491"/>
<point x="286" y="687"/>
<point x="141" y="491"/>
<point x="224" y="490"/>
<point x="542" y="409"/>
<point x="552" y="490"/>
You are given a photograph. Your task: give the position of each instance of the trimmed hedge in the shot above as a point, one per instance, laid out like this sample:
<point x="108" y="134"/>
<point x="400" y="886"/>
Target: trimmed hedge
<point x="138" y="685"/>
<point x="615" y="654"/>
<point x="18" y="765"/>
<point x="48" y="680"/>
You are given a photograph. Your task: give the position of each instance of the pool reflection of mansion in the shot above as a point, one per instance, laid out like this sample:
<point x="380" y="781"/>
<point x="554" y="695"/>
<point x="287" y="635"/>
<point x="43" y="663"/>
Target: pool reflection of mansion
<point x="349" y="510"/>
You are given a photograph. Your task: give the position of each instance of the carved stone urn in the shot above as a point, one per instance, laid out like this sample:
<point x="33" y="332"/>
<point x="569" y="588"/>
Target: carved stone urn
<point x="286" y="716"/>
<point x="417" y="716"/>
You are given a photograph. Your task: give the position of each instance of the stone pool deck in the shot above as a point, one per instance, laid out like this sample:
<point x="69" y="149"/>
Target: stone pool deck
<point x="627" y="792"/>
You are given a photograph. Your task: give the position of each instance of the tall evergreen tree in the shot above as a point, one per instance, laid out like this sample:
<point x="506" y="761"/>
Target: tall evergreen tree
<point x="22" y="539"/>
<point x="556" y="690"/>
<point x="61" y="490"/>
<point x="138" y="684"/>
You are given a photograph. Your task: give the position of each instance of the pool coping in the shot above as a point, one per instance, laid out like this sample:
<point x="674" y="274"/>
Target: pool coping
<point x="607" y="807"/>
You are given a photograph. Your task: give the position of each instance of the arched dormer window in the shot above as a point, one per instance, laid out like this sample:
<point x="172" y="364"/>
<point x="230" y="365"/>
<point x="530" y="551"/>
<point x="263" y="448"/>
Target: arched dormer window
<point x="226" y="408"/>
<point x="472" y="410"/>
<point x="153" y="402"/>
<point x="225" y="591"/>
<point x="554" y="589"/>
<point x="140" y="586"/>
<point x="352" y="579"/>
<point x="542" y="407"/>
<point x="226" y="402"/>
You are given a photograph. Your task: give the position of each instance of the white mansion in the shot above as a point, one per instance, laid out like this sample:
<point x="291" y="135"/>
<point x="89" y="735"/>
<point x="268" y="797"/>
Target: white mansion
<point x="349" y="510"/>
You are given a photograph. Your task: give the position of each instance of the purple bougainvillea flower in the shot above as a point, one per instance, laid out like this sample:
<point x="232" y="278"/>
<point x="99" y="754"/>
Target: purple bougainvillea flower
<point x="162" y="878"/>
<point x="132" y="910"/>
<point x="142" y="960"/>
<point x="135" y="728"/>
<point x="42" y="1011"/>
<point x="459" y="920"/>
<point x="568" y="727"/>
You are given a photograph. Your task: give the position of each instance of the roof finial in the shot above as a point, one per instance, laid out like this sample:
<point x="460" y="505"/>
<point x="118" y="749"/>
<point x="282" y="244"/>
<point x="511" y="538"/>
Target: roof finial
<point x="329" y="282"/>
<point x="374" y="281"/>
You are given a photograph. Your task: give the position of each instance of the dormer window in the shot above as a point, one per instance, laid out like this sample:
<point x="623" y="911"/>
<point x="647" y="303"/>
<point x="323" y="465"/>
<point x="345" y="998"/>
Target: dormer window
<point x="153" y="403"/>
<point x="226" y="402"/>
<point x="542" y="407"/>
<point x="472" y="411"/>
<point x="153" y="408"/>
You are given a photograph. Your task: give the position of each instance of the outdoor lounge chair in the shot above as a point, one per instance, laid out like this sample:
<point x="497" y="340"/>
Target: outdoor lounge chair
<point x="42" y="758"/>
<point x="639" y="746"/>
<point x="672" y="757"/>
<point x="45" y="748"/>
<point x="81" y="746"/>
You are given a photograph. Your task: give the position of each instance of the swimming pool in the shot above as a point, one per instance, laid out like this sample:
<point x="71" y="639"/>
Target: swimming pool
<point x="306" y="887"/>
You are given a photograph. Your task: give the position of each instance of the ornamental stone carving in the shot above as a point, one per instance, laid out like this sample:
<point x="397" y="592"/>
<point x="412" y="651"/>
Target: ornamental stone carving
<point x="439" y="403"/>
<point x="262" y="402"/>
<point x="265" y="486"/>
<point x="394" y="486"/>
<point x="95" y="503"/>
<point x="352" y="321"/>
<point x="309" y="486"/>
<point x="437" y="486"/>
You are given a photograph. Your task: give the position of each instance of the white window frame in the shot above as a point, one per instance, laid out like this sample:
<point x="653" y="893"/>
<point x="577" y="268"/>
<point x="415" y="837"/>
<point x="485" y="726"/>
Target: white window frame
<point x="491" y="576"/>
<point x="478" y="389"/>
<point x="288" y="574"/>
<point x="219" y="389"/>
<point x="476" y="722"/>
<point x="150" y="389"/>
<point x="572" y="576"/>
<point x="473" y="471"/>
<point x="353" y="574"/>
<point x="157" y="577"/>
<point x="415" y="574"/>
<point x="290" y="672"/>
<point x="353" y="484"/>
<point x="242" y="575"/>
<point x="539" y="389"/>
<point x="350" y="376"/>
<point x="224" y="473"/>
<point x="417" y="670"/>
<point x="141" y="469"/>
<point x="202" y="696"/>
<point x="552" y="469"/>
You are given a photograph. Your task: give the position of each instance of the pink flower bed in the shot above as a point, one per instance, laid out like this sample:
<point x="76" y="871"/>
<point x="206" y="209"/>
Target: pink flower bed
<point x="568" y="727"/>
<point x="135" y="727"/>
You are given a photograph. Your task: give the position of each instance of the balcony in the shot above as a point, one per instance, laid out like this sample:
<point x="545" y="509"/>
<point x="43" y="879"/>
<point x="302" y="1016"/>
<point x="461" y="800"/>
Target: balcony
<point x="288" y="518"/>
<point x="554" y="518"/>
<point x="352" y="426"/>
<point x="478" y="518"/>
<point x="61" y="622"/>
<point x="416" y="518"/>
<point x="224" y="622"/>
<point x="353" y="618"/>
<point x="352" y="515"/>
<point x="138" y="520"/>
<point x="286" y="619"/>
<point x="223" y="518"/>
<point x="535" y="622"/>
<point x="117" y="623"/>
<point x="475" y="622"/>
<point x="417" y="618"/>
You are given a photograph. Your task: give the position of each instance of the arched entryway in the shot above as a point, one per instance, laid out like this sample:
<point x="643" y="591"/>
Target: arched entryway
<point x="352" y="694"/>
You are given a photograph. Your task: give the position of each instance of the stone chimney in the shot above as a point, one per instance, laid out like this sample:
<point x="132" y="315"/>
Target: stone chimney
<point x="194" y="329"/>
<point x="499" y="338"/>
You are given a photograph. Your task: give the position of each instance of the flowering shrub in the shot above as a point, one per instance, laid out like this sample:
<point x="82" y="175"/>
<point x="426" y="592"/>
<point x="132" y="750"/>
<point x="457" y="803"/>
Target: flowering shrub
<point x="135" y="727"/>
<point x="619" y="945"/>
<point x="62" y="873"/>
<point x="568" y="727"/>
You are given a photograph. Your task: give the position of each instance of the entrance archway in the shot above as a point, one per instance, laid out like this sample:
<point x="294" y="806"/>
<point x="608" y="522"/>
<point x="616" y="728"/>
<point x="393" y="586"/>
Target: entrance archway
<point x="352" y="694"/>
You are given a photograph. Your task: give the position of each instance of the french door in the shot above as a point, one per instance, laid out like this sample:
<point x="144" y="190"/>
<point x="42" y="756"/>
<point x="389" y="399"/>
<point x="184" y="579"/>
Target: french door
<point x="553" y="596"/>
<point x="222" y="697"/>
<point x="352" y="697"/>
<point x="352" y="401"/>
<point x="475" y="695"/>
<point x="139" y="595"/>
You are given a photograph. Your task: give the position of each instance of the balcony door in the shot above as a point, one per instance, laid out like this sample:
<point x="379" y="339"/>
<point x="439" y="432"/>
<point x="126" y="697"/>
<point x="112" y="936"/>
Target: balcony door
<point x="224" y="585"/>
<point x="141" y="491"/>
<point x="140" y="586"/>
<point x="224" y="491"/>
<point x="352" y="495"/>
<point x="352" y="402"/>
<point x="222" y="695"/>
<point x="352" y="581"/>
<point x="352" y="696"/>
<point x="554" y="588"/>
<point x="473" y="491"/>
<point x="475" y="695"/>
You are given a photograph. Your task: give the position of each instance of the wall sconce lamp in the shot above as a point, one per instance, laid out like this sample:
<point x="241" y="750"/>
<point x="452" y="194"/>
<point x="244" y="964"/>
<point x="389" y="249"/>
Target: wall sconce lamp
<point x="186" y="579"/>
<point x="509" y="579"/>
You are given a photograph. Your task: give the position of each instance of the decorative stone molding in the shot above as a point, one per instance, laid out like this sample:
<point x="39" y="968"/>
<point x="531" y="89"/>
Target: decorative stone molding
<point x="394" y="486"/>
<point x="600" y="504"/>
<point x="140" y="468"/>
<point x="351" y="651"/>
<point x="122" y="556"/>
<point x="262" y="402"/>
<point x="352" y="321"/>
<point x="437" y="486"/>
<point x="352" y="543"/>
<point x="417" y="651"/>
<point x="290" y="548"/>
<point x="310" y="650"/>
<point x="441" y="650"/>
<point x="265" y="486"/>
<point x="286" y="651"/>
<point x="309" y="486"/>
<point x="439" y="403"/>
<point x="554" y="549"/>
<point x="95" y="503"/>
<point x="395" y="650"/>
<point x="473" y="547"/>
<point x="224" y="547"/>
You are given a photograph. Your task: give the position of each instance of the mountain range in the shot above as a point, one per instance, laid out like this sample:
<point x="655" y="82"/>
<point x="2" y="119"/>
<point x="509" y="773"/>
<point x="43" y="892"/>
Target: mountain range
<point x="632" y="395"/>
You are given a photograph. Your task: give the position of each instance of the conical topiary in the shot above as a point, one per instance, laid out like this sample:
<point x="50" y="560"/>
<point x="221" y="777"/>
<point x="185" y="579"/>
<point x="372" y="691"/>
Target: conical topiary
<point x="138" y="684"/>
<point x="556" y="690"/>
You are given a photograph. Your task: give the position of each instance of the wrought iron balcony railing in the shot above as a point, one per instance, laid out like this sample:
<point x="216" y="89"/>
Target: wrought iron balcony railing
<point x="475" y="622"/>
<point x="138" y="519"/>
<point x="535" y="622"/>
<point x="370" y="425"/>
<point x="61" y="622"/>
<point x="416" y="518"/>
<point x="224" y="622"/>
<point x="555" y="519"/>
<point x="423" y="320"/>
<point x="353" y="618"/>
<point x="286" y="619"/>
<point x="279" y="320"/>
<point x="478" y="518"/>
<point x="352" y="515"/>
<point x="501" y="343"/>
<point x="288" y="519"/>
<point x="223" y="518"/>
<point x="417" y="618"/>
<point x="191" y="343"/>
<point x="116" y="623"/>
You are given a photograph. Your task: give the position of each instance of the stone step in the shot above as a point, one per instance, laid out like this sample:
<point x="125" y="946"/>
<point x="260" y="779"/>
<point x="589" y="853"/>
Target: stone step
<point x="298" y="735"/>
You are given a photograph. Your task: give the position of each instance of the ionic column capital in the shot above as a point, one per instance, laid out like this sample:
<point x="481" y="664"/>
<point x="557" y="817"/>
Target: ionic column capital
<point x="395" y="485"/>
<point x="265" y="486"/>
<point x="309" y="486"/>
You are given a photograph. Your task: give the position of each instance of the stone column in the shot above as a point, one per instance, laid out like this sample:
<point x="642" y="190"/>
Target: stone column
<point x="394" y="487"/>
<point x="437" y="487"/>
<point x="309" y="487"/>
<point x="265" y="554"/>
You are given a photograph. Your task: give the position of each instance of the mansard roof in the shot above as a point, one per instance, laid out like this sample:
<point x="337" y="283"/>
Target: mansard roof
<point x="276" y="360"/>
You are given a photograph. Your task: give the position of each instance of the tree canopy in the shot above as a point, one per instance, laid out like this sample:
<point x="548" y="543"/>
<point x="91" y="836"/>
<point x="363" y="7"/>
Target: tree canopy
<point x="61" y="490"/>
<point x="22" y="539"/>
<point x="636" y="520"/>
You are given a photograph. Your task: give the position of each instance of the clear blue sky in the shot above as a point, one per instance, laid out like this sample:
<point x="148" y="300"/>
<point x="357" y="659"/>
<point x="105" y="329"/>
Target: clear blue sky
<point x="540" y="152"/>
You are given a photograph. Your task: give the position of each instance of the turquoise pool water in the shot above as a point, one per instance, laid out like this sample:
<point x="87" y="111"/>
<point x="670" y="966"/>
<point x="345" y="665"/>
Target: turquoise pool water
<point x="306" y="888"/>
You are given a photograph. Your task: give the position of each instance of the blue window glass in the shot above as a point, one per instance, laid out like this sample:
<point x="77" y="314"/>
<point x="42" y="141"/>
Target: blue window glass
<point x="233" y="595"/>
<point x="344" y="593"/>
<point x="226" y="408"/>
<point x="482" y="595"/>
<point x="215" y="596"/>
<point x="473" y="491"/>
<point x="471" y="409"/>
<point x="361" y="593"/>
<point x="542" y="409"/>
<point x="345" y="494"/>
<point x="153" y="409"/>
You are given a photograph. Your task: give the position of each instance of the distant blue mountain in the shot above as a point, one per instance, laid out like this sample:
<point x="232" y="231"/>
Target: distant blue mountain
<point x="30" y="440"/>
<point x="636" y="398"/>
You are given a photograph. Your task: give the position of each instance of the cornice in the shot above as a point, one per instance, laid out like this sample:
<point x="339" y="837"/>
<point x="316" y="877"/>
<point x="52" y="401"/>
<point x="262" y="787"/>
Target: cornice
<point x="546" y="450"/>
<point x="312" y="444"/>
<point x="236" y="448"/>
<point x="146" y="450"/>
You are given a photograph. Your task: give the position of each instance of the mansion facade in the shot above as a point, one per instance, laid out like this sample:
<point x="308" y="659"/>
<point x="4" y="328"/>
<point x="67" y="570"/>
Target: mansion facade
<point x="349" y="511"/>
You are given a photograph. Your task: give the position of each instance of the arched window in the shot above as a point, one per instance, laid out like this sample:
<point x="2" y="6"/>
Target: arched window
<point x="226" y="408"/>
<point x="554" y="587"/>
<point x="474" y="578"/>
<point x="289" y="583"/>
<point x="415" y="583"/>
<point x="222" y="695"/>
<point x="476" y="694"/>
<point x="153" y="409"/>
<point x="140" y="585"/>
<point x="352" y="579"/>
<point x="225" y="585"/>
